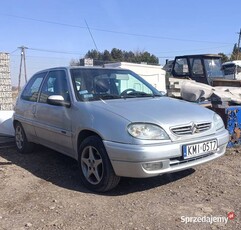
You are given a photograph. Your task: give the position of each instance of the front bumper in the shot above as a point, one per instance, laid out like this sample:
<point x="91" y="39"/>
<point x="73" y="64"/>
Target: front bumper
<point x="129" y="160"/>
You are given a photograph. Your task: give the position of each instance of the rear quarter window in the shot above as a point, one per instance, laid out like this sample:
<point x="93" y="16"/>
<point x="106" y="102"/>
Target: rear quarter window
<point x="31" y="91"/>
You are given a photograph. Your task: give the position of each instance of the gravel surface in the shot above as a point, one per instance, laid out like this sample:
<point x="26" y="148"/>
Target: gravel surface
<point x="42" y="190"/>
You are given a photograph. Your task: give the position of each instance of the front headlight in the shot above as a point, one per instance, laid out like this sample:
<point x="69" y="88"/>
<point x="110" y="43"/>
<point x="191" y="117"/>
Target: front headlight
<point x="147" y="131"/>
<point x="218" y="122"/>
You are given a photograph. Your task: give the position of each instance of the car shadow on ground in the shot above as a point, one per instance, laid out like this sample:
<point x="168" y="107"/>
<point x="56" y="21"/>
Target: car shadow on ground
<point x="62" y="171"/>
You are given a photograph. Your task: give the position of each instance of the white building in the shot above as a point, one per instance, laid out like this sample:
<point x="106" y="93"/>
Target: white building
<point x="153" y="74"/>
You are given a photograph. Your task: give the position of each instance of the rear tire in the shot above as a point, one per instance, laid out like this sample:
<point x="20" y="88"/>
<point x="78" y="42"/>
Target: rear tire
<point x="21" y="141"/>
<point x="96" y="171"/>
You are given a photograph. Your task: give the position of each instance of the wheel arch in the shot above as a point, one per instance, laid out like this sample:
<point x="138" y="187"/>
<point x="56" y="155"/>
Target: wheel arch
<point x="106" y="179"/>
<point x="84" y="134"/>
<point x="15" y="122"/>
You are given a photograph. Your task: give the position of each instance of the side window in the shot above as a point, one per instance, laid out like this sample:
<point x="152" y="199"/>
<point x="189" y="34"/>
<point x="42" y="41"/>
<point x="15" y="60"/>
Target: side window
<point x="31" y="91"/>
<point x="55" y="84"/>
<point x="181" y="67"/>
<point x="197" y="68"/>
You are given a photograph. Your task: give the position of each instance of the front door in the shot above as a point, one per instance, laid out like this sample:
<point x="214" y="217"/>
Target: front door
<point x="53" y="123"/>
<point x="197" y="70"/>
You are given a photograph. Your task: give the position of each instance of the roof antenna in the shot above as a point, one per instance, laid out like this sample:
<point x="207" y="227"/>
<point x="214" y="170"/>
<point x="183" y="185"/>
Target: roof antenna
<point x="91" y="36"/>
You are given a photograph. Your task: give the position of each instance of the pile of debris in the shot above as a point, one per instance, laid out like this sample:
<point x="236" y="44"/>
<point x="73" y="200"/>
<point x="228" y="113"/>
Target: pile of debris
<point x="219" y="96"/>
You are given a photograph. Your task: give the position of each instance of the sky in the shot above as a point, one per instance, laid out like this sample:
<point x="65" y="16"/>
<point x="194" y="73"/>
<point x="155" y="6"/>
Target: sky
<point x="58" y="31"/>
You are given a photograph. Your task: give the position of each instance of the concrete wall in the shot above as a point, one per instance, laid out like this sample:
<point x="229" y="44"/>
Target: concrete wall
<point x="6" y="101"/>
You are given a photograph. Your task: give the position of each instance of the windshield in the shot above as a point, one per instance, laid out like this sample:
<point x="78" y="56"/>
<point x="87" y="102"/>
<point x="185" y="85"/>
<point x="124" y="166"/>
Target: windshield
<point x="104" y="84"/>
<point x="213" y="68"/>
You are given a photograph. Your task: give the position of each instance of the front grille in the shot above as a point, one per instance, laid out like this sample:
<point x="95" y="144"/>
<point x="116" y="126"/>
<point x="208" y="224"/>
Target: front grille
<point x="191" y="129"/>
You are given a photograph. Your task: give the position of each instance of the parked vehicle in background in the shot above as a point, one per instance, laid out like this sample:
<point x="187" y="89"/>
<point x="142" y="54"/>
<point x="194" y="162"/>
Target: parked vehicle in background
<point x="232" y="70"/>
<point x="203" y="68"/>
<point x="114" y="124"/>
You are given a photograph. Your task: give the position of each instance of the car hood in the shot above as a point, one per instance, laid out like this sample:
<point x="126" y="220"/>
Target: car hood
<point x="163" y="111"/>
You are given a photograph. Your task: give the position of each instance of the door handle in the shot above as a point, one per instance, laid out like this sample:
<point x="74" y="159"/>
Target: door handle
<point x="34" y="110"/>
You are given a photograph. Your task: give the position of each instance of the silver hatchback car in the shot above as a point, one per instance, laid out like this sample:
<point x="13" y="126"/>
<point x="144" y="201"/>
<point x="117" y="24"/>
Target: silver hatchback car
<point x="114" y="124"/>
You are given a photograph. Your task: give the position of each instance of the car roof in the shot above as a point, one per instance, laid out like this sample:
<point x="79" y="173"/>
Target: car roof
<point x="79" y="67"/>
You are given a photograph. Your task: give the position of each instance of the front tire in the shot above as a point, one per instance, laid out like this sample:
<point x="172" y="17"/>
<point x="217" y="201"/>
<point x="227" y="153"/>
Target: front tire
<point x="96" y="171"/>
<point x="21" y="141"/>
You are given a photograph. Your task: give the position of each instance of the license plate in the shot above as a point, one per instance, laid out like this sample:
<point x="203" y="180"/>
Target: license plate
<point x="201" y="148"/>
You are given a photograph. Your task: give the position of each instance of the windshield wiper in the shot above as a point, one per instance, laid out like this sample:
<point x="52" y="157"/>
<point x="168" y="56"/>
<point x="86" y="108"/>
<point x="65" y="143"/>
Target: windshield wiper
<point x="130" y="95"/>
<point x="108" y="96"/>
<point x="138" y="94"/>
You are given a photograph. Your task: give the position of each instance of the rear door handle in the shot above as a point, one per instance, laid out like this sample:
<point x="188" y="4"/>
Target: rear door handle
<point x="34" y="110"/>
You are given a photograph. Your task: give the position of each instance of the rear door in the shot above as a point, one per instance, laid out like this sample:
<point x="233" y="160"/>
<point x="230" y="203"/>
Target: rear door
<point x="53" y="122"/>
<point x="26" y="106"/>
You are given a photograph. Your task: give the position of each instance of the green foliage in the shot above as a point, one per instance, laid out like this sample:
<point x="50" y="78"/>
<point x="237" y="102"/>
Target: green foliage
<point x="117" y="55"/>
<point x="94" y="54"/>
<point x="235" y="54"/>
<point x="224" y="57"/>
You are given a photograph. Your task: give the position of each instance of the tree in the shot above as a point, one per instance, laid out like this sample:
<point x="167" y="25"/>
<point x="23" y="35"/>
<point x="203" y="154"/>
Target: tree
<point x="107" y="56"/>
<point x="74" y="62"/>
<point x="94" y="54"/>
<point x="224" y="57"/>
<point x="129" y="56"/>
<point x="117" y="55"/>
<point x="236" y="54"/>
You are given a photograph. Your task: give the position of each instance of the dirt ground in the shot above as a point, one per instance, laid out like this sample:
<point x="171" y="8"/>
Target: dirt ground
<point x="42" y="190"/>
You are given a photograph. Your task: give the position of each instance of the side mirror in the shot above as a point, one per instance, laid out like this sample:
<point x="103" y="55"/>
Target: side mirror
<point x="58" y="100"/>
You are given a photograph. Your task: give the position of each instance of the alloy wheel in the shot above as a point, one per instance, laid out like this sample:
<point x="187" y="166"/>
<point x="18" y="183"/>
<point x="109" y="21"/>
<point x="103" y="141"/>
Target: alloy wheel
<point x="92" y="165"/>
<point x="19" y="137"/>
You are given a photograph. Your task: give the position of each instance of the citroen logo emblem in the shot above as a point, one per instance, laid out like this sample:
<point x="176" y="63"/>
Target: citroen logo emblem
<point x="194" y="128"/>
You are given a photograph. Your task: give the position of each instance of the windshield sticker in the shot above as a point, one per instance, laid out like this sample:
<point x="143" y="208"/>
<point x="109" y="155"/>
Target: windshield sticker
<point x="83" y="92"/>
<point x="89" y="95"/>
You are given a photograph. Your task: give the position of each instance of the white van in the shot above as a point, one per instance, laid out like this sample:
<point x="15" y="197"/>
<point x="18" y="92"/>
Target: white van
<point x="232" y="70"/>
